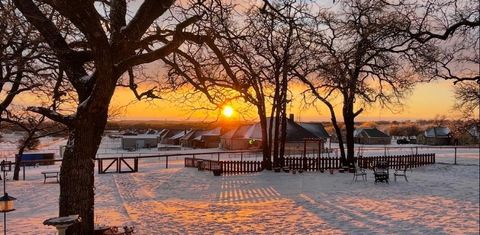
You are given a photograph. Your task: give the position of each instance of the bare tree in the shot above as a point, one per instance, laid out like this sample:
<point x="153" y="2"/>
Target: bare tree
<point x="252" y="60"/>
<point x="467" y="98"/>
<point x="359" y="62"/>
<point x="105" y="44"/>
<point x="453" y="26"/>
<point x="26" y="67"/>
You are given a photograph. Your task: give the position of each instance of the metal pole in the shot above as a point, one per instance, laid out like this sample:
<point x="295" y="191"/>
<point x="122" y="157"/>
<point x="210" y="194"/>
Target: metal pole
<point x="455" y="155"/>
<point x="5" y="223"/>
<point x="4" y="191"/>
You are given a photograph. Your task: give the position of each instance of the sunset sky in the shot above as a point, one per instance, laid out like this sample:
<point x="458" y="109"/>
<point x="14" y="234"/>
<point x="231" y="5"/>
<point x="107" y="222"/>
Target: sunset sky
<point x="427" y="101"/>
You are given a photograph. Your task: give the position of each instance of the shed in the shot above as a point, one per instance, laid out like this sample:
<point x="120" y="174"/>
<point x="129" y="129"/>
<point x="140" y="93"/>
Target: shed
<point x="371" y="136"/>
<point x="132" y="142"/>
<point x="435" y="136"/>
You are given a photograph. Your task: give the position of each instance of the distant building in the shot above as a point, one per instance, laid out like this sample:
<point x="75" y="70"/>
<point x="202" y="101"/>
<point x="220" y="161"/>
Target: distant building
<point x="189" y="139"/>
<point x="166" y="134"/>
<point x="435" y="136"/>
<point x="210" y="139"/>
<point x="175" y="139"/>
<point x="250" y="136"/>
<point x="240" y="139"/>
<point x="132" y="142"/>
<point x="371" y="136"/>
<point x="468" y="137"/>
<point x="315" y="128"/>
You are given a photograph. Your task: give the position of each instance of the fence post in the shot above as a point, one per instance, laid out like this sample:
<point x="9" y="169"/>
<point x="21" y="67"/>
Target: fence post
<point x="455" y="155"/>
<point x="166" y="161"/>
<point x="416" y="150"/>
<point x="100" y="166"/>
<point x="24" y="172"/>
<point x="241" y="156"/>
<point x="218" y="156"/>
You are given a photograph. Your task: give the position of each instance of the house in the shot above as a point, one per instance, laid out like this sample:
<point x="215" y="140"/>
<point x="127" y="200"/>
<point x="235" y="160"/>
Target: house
<point x="468" y="137"/>
<point x="167" y="134"/>
<point x="250" y="136"/>
<point x="211" y="138"/>
<point x="315" y="128"/>
<point x="175" y="139"/>
<point x="435" y="136"/>
<point x="371" y="136"/>
<point x="240" y="138"/>
<point x="132" y="142"/>
<point x="190" y="139"/>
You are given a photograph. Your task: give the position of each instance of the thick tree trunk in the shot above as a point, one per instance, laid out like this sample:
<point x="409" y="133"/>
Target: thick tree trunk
<point x="283" y="124"/>
<point x="349" y="120"/>
<point x="267" y="160"/>
<point x="18" y="162"/>
<point x="77" y="171"/>
<point x="338" y="131"/>
<point x="276" y="134"/>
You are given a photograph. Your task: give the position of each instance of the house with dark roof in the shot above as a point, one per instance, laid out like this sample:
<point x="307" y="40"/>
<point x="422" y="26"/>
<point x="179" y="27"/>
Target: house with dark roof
<point x="250" y="136"/>
<point x="371" y="136"/>
<point x="467" y="136"/>
<point x="315" y="128"/>
<point x="435" y="136"/>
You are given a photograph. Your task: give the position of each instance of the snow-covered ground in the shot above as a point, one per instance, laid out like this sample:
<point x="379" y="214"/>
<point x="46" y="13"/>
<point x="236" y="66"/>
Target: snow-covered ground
<point x="438" y="199"/>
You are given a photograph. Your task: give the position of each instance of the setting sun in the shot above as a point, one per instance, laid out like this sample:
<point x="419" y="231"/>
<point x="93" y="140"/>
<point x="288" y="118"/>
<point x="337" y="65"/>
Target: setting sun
<point x="227" y="111"/>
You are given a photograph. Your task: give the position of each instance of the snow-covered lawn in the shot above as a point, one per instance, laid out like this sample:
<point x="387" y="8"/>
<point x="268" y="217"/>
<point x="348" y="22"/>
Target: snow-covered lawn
<point x="439" y="199"/>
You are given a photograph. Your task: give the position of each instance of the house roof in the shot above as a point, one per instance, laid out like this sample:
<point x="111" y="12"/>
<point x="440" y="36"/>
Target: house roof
<point x="370" y="133"/>
<point x="315" y="128"/>
<point x="192" y="134"/>
<point x="213" y="132"/>
<point x="437" y="132"/>
<point x="179" y="135"/>
<point x="141" y="136"/>
<point x="473" y="131"/>
<point x="295" y="132"/>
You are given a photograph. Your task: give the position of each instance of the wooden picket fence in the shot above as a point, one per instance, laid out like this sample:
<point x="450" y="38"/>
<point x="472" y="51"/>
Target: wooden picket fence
<point x="228" y="167"/>
<point x="312" y="163"/>
<point x="324" y="163"/>
<point x="398" y="161"/>
<point x="239" y="167"/>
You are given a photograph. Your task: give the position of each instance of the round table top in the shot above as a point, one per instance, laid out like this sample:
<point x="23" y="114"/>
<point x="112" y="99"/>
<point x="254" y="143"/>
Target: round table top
<point x="65" y="220"/>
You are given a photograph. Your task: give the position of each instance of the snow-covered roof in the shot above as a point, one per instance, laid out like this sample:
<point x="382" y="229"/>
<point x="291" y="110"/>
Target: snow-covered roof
<point x="437" y="132"/>
<point x="473" y="131"/>
<point x="140" y="136"/>
<point x="192" y="134"/>
<point x="213" y="132"/>
<point x="295" y="132"/>
<point x="178" y="135"/>
<point x="315" y="128"/>
<point x="370" y="133"/>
